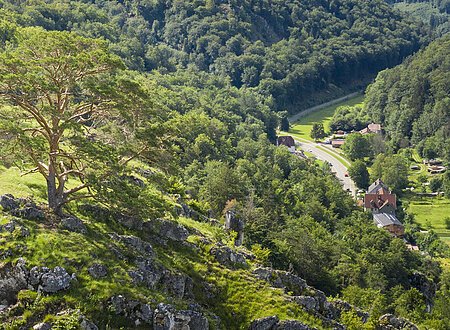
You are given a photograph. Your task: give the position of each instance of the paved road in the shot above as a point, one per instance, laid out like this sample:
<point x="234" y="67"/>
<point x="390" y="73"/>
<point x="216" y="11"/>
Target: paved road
<point x="303" y="113"/>
<point x="337" y="167"/>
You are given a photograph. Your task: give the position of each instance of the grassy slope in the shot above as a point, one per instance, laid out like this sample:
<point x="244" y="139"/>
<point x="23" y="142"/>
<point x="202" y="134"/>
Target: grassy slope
<point x="302" y="128"/>
<point x="240" y="297"/>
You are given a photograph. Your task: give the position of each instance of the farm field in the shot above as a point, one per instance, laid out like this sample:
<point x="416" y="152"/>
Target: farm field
<point x="302" y="128"/>
<point x="430" y="213"/>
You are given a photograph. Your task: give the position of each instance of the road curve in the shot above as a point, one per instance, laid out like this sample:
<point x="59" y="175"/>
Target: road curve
<point x="337" y="167"/>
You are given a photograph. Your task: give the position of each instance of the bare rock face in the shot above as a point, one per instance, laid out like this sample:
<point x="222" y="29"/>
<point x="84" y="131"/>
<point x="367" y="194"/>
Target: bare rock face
<point x="228" y="257"/>
<point x="167" y="318"/>
<point x="73" y="224"/>
<point x="42" y="326"/>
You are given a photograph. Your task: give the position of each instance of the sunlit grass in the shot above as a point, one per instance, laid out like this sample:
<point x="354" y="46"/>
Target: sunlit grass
<point x="302" y="128"/>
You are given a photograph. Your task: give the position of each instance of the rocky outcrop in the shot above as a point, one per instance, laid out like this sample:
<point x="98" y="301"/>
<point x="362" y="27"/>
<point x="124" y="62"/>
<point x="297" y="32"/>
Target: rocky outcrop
<point x="283" y="280"/>
<point x="228" y="257"/>
<point x="267" y="323"/>
<point x="425" y="286"/>
<point x="273" y="323"/>
<point x="233" y="223"/>
<point x="73" y="224"/>
<point x="167" y="229"/>
<point x="98" y="270"/>
<point x="50" y="280"/>
<point x="42" y="326"/>
<point x="166" y="317"/>
<point x="138" y="312"/>
<point x="14" y="225"/>
<point x="12" y="280"/>
<point x="18" y="277"/>
<point x="152" y="275"/>
<point x="391" y="322"/>
<point x="21" y="207"/>
<point x="135" y="244"/>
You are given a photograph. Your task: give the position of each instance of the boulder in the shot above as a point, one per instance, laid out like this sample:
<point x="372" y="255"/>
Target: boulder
<point x="98" y="270"/>
<point x="228" y="257"/>
<point x="134" y="310"/>
<point x="85" y="324"/>
<point x="134" y="243"/>
<point x="167" y="229"/>
<point x="283" y="280"/>
<point x="309" y="303"/>
<point x="20" y="207"/>
<point x="292" y="325"/>
<point x="391" y="322"/>
<point x="267" y="323"/>
<point x="8" y="202"/>
<point x="73" y="224"/>
<point x="151" y="274"/>
<point x="50" y="281"/>
<point x="42" y="326"/>
<point x="13" y="225"/>
<point x="12" y="280"/>
<point x="166" y="317"/>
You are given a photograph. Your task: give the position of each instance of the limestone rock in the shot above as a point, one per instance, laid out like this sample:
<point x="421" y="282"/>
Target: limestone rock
<point x="50" y="281"/>
<point x="309" y="303"/>
<point x="267" y="323"/>
<point x="42" y="326"/>
<point x="167" y="318"/>
<point x="228" y="257"/>
<point x="167" y="229"/>
<point x="134" y="310"/>
<point x="73" y="224"/>
<point x="134" y="243"/>
<point x="12" y="280"/>
<point x="13" y="225"/>
<point x="392" y="322"/>
<point x="292" y="325"/>
<point x="8" y="202"/>
<point x="283" y="280"/>
<point x="98" y="270"/>
<point x="20" y="207"/>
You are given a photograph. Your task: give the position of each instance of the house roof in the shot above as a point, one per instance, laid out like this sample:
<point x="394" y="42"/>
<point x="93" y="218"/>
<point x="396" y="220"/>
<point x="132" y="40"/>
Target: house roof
<point x="374" y="127"/>
<point x="378" y="201"/>
<point x="376" y="186"/>
<point x="386" y="219"/>
<point x="287" y="141"/>
<point x="338" y="142"/>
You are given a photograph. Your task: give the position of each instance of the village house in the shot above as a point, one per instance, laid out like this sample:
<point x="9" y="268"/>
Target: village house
<point x="372" y="128"/>
<point x="383" y="203"/>
<point x="287" y="141"/>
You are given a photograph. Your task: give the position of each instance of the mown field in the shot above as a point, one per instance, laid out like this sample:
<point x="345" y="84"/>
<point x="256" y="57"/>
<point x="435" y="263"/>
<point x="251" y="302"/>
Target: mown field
<point x="302" y="128"/>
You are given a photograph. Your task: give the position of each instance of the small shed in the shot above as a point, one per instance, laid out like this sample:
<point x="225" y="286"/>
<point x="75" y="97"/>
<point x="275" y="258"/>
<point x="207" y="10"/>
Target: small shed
<point x="287" y="141"/>
<point x="337" y="143"/>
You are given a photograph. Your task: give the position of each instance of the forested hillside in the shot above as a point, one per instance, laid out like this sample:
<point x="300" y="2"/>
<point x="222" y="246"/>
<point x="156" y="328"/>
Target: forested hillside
<point x="412" y="101"/>
<point x="291" y="50"/>
<point x="435" y="13"/>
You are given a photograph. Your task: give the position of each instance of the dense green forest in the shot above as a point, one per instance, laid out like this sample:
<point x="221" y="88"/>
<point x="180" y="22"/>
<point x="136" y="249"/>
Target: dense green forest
<point x="412" y="101"/>
<point x="435" y="13"/>
<point x="176" y="106"/>
<point x="299" y="53"/>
